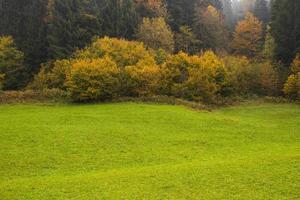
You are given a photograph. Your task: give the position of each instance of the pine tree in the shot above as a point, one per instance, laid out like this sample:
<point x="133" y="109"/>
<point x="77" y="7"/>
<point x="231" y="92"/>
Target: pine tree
<point x="71" y="24"/>
<point x="285" y="27"/>
<point x="119" y="17"/>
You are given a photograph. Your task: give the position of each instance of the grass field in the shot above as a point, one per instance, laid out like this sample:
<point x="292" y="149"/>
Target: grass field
<point x="137" y="151"/>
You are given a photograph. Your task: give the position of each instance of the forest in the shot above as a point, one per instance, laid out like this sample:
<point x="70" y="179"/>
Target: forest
<point x="149" y="99"/>
<point x="198" y="50"/>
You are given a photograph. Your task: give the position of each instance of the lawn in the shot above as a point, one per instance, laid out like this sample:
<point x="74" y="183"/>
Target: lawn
<point x="142" y="151"/>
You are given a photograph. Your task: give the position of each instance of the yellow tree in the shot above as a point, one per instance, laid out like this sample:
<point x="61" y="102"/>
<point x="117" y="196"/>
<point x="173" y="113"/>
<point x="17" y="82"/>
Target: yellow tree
<point x="156" y="34"/>
<point x="248" y="36"/>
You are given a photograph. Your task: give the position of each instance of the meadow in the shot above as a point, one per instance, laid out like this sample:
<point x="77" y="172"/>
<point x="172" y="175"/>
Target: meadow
<point x="148" y="151"/>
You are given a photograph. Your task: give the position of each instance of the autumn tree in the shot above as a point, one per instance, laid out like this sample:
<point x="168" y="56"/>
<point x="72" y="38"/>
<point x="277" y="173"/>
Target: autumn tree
<point x="152" y="8"/>
<point x="11" y="64"/>
<point x="210" y="29"/>
<point x="248" y="36"/>
<point x="156" y="33"/>
<point x="186" y="40"/>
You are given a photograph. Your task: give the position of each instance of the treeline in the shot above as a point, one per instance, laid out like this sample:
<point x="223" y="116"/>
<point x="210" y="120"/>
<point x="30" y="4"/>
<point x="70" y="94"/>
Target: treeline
<point x="39" y="33"/>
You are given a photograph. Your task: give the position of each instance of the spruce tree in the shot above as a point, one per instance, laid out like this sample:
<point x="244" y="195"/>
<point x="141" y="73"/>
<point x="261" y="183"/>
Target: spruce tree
<point x="285" y="27"/>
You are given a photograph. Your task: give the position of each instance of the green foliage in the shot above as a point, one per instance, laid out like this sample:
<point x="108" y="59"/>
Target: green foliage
<point x="285" y="23"/>
<point x="95" y="79"/>
<point x="11" y="63"/>
<point x="187" y="41"/>
<point x="156" y="33"/>
<point x="71" y="24"/>
<point x="269" y="46"/>
<point x="119" y="18"/>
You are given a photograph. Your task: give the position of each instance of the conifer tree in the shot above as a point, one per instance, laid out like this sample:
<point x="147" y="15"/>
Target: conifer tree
<point x="285" y="27"/>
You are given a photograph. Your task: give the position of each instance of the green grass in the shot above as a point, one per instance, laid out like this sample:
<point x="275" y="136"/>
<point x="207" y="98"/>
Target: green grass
<point x="137" y="151"/>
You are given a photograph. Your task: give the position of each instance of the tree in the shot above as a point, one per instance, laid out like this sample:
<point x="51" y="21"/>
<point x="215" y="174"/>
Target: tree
<point x="248" y="36"/>
<point x="269" y="46"/>
<point x="186" y="40"/>
<point x="152" y="8"/>
<point x="11" y="64"/>
<point x="210" y="29"/>
<point x="119" y="18"/>
<point x="24" y="21"/>
<point x="71" y="24"/>
<point x="155" y="33"/>
<point x="261" y="10"/>
<point x="227" y="11"/>
<point x="285" y="27"/>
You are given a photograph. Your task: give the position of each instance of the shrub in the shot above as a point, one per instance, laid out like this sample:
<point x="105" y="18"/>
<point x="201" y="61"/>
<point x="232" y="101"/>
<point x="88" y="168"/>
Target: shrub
<point x="93" y="79"/>
<point x="292" y="85"/>
<point x="206" y="77"/>
<point x="47" y="95"/>
<point x="174" y="72"/>
<point x="143" y="77"/>
<point x="268" y="79"/>
<point x="122" y="52"/>
<point x="51" y="75"/>
<point x="241" y="75"/>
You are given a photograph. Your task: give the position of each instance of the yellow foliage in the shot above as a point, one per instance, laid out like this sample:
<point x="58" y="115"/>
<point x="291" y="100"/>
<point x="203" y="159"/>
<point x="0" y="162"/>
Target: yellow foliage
<point x="295" y="67"/>
<point x="156" y="33"/>
<point x="292" y="86"/>
<point x="143" y="77"/>
<point x="248" y="36"/>
<point x="122" y="52"/>
<point x="206" y="78"/>
<point x="93" y="79"/>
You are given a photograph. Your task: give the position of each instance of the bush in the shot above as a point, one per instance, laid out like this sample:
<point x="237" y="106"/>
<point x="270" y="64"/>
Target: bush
<point x="292" y="85"/>
<point x="206" y="78"/>
<point x="143" y="78"/>
<point x="47" y="95"/>
<point x="174" y="73"/>
<point x="268" y="79"/>
<point x="241" y="75"/>
<point x="122" y="52"/>
<point x="95" y="79"/>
